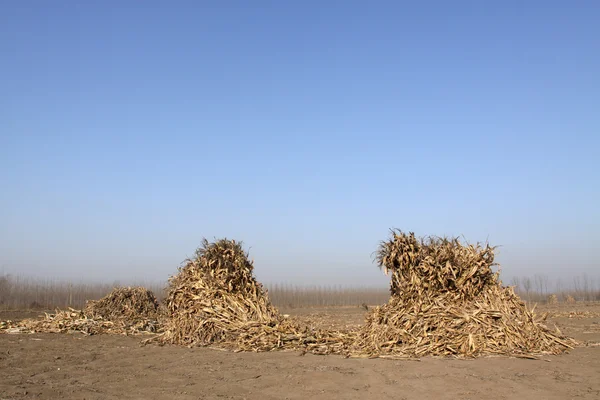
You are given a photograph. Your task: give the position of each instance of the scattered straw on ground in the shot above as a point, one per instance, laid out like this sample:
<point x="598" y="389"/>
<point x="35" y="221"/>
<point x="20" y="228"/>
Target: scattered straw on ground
<point x="575" y="314"/>
<point x="67" y="321"/>
<point x="447" y="301"/>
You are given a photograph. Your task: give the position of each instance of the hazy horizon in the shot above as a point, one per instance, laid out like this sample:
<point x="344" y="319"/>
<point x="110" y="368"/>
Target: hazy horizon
<point x="369" y="275"/>
<point x="307" y="131"/>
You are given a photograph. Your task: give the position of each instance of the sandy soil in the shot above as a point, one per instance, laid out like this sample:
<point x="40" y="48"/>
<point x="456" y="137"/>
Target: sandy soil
<point x="116" y="367"/>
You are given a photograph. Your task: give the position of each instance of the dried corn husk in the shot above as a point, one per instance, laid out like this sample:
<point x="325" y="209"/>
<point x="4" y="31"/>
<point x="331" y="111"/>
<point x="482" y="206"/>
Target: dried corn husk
<point x="214" y="300"/>
<point x="447" y="301"/>
<point x="127" y="311"/>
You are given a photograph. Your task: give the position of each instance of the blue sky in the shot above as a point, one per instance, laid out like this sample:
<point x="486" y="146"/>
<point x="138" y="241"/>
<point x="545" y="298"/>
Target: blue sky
<point x="130" y="130"/>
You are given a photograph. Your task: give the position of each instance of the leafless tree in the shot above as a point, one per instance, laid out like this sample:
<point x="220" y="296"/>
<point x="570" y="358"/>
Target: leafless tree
<point x="3" y="289"/>
<point x="538" y="281"/>
<point x="577" y="286"/>
<point x="586" y="287"/>
<point x="515" y="282"/>
<point x="527" y="286"/>
<point x="559" y="286"/>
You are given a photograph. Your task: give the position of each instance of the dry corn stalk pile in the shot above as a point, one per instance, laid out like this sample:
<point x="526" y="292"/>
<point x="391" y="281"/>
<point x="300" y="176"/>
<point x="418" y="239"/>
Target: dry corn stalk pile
<point x="123" y="311"/>
<point x="215" y="300"/>
<point x="132" y="308"/>
<point x="447" y="301"/>
<point x="552" y="299"/>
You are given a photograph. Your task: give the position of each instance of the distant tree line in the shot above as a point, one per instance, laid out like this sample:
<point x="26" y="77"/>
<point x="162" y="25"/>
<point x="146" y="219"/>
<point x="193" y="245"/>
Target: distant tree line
<point x="17" y="292"/>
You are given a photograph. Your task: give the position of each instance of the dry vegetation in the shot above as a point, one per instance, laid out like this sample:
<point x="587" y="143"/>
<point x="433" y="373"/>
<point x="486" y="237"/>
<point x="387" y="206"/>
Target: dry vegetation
<point x="445" y="301"/>
<point x="538" y="288"/>
<point x="117" y="367"/>
<point x="124" y="303"/>
<point x="123" y="311"/>
<point x="215" y="300"/>
<point x="24" y="293"/>
<point x="290" y="297"/>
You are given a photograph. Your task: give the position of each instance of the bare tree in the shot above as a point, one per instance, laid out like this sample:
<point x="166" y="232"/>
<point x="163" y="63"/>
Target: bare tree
<point x="577" y="286"/>
<point x="538" y="281"/>
<point x="586" y="287"/>
<point x="527" y="286"/>
<point x="3" y="289"/>
<point x="559" y="286"/>
<point x="515" y="282"/>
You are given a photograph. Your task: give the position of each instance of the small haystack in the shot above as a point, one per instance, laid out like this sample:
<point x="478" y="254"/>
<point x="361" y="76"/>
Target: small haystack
<point x="570" y="299"/>
<point x="132" y="308"/>
<point x="216" y="300"/>
<point x="124" y="311"/>
<point x="552" y="300"/>
<point x="447" y="301"/>
<point x="131" y="303"/>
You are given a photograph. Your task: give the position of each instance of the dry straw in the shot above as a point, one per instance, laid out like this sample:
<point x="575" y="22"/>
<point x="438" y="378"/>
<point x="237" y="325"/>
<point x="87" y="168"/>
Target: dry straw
<point x="576" y="314"/>
<point x="66" y="321"/>
<point x="447" y="301"/>
<point x="124" y="303"/>
<point x="215" y="300"/>
<point x="125" y="310"/>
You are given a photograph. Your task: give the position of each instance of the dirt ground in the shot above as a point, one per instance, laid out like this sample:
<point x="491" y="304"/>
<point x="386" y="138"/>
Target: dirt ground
<point x="73" y="366"/>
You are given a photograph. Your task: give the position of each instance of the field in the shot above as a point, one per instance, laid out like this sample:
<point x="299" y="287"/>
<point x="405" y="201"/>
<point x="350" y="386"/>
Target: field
<point x="444" y="300"/>
<point x="73" y="366"/>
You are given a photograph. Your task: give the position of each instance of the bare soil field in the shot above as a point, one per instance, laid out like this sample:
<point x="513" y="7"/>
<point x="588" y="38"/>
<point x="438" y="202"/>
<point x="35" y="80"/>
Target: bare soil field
<point x="74" y="366"/>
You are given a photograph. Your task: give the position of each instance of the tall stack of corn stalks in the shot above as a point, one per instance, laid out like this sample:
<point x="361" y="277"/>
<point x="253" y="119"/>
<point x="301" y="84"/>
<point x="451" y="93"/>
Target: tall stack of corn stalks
<point x="215" y="300"/>
<point x="447" y="301"/>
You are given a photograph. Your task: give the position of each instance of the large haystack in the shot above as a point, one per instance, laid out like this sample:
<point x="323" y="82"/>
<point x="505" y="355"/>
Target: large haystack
<point x="447" y="301"/>
<point x="214" y="295"/>
<point x="215" y="300"/>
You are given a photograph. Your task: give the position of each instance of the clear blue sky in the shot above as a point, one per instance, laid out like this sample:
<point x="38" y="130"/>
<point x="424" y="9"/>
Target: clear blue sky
<point x="129" y="130"/>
